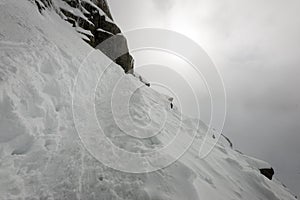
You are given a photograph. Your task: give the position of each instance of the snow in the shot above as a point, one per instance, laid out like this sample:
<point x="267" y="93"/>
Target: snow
<point x="84" y="37"/>
<point x="41" y="154"/>
<point x="84" y="11"/>
<point x="86" y="32"/>
<point x="102" y="30"/>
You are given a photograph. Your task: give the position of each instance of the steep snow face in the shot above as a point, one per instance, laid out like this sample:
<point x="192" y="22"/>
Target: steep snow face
<point x="42" y="156"/>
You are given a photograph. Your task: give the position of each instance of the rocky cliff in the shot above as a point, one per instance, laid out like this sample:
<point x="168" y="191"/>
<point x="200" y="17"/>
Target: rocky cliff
<point x="93" y="21"/>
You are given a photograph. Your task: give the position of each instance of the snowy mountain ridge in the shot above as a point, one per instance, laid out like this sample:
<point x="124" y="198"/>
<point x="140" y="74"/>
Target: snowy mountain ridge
<point x="41" y="154"/>
<point x="93" y="22"/>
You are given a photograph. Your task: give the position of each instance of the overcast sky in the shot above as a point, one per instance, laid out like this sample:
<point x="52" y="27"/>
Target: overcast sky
<point x="256" y="46"/>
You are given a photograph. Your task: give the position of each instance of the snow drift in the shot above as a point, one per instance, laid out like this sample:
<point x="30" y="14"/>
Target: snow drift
<point x="41" y="154"/>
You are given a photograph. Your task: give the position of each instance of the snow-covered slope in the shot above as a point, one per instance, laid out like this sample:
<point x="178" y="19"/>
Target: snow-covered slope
<point x="42" y="156"/>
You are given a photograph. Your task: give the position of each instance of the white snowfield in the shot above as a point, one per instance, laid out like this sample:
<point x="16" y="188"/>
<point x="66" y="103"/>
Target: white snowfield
<point x="41" y="154"/>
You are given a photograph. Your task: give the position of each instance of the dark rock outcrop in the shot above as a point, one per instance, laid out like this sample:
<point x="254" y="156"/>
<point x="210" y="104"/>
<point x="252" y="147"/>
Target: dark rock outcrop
<point x="228" y="140"/>
<point x="267" y="172"/>
<point x="102" y="4"/>
<point x="93" y="21"/>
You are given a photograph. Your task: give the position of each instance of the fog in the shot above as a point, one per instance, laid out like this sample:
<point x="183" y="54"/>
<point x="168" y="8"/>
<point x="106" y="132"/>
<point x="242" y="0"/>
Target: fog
<point x="255" y="45"/>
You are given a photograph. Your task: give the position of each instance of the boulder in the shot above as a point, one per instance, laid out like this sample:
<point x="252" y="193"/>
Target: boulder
<point x="267" y="172"/>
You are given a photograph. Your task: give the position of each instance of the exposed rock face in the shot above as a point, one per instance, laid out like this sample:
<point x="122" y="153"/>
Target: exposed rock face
<point x="267" y="172"/>
<point x="103" y="5"/>
<point x="93" y="21"/>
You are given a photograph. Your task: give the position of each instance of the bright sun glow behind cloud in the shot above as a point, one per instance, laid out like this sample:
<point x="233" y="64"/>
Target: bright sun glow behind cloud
<point x="255" y="44"/>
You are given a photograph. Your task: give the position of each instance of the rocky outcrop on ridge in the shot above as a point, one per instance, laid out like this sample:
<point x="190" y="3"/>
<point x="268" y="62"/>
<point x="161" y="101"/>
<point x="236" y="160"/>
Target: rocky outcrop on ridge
<point x="267" y="172"/>
<point x="93" y="21"/>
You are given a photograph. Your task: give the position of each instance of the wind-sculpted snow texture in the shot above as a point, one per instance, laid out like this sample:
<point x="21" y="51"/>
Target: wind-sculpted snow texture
<point x="41" y="154"/>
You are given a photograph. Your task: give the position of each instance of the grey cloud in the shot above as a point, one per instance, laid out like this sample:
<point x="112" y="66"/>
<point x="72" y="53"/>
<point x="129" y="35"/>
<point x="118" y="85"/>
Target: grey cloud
<point x="164" y="5"/>
<point x="255" y="44"/>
